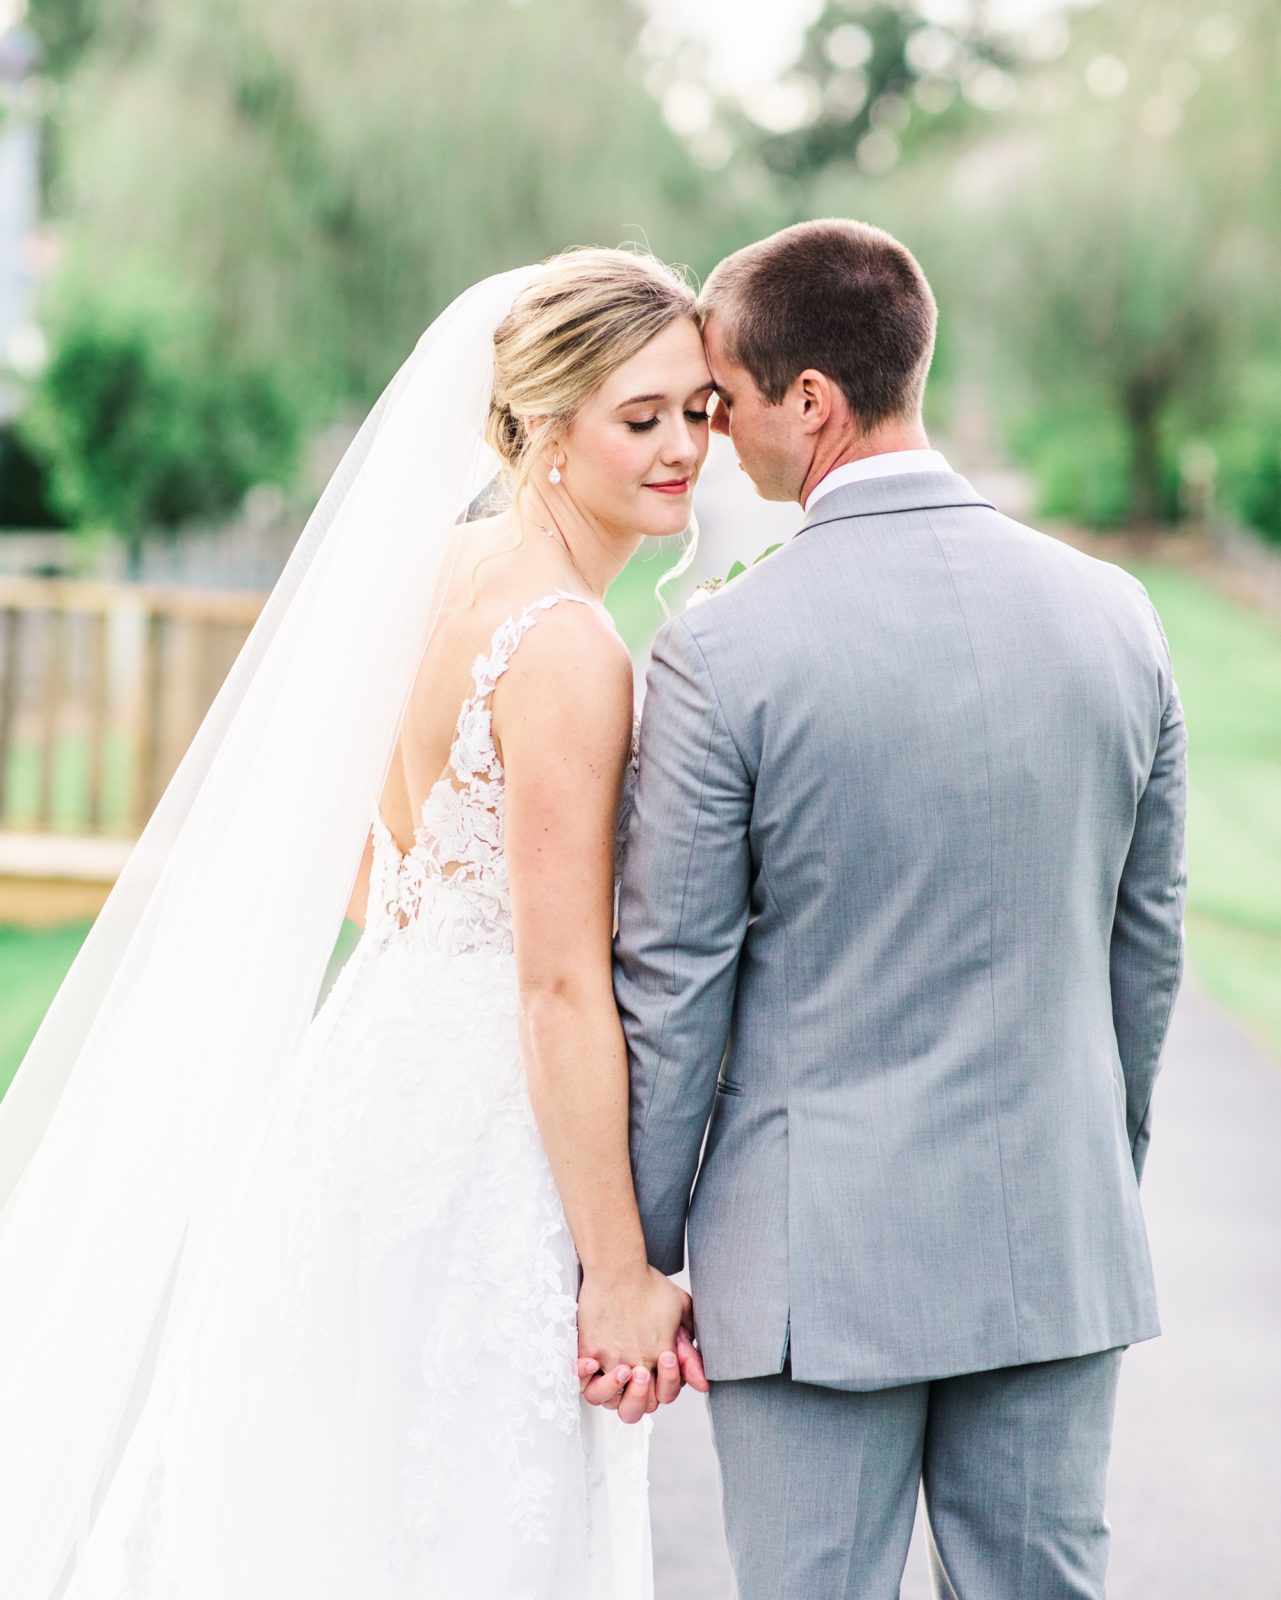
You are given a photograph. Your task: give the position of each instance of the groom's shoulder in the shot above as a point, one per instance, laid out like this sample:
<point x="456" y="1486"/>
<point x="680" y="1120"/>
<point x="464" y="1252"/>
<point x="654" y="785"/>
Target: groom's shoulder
<point x="1084" y="583"/>
<point x="733" y="615"/>
<point x="1089" y="569"/>
<point x="722" y="638"/>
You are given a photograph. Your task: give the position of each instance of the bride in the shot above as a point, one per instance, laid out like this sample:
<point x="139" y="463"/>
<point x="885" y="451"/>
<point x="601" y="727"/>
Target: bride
<point x="290" y="1294"/>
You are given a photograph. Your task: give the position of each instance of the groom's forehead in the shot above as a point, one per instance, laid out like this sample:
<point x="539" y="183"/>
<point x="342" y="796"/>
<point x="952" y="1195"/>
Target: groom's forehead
<point x="713" y="336"/>
<point x="718" y="359"/>
<point x="730" y="380"/>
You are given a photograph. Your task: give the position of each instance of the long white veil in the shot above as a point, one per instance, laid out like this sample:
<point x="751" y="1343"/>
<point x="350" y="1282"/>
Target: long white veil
<point x="134" y="1112"/>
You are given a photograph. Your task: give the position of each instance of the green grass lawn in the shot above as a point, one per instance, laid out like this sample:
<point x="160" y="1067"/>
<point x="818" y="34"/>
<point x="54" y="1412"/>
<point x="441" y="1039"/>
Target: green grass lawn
<point x="1228" y="664"/>
<point x="32" y="966"/>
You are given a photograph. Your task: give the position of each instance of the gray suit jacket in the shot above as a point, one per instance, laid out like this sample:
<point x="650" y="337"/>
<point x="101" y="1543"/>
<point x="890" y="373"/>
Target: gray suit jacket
<point x="901" y="914"/>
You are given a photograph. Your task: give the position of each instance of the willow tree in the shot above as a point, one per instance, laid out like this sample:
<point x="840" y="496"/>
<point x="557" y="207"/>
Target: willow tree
<point x="1129" y="281"/>
<point x="319" y="177"/>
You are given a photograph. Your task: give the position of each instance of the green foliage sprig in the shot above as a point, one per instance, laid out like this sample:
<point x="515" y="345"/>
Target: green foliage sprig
<point x="710" y="586"/>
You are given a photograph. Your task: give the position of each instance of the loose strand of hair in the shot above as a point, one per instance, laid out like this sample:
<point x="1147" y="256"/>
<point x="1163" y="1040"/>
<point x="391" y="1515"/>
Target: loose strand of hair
<point x="681" y="568"/>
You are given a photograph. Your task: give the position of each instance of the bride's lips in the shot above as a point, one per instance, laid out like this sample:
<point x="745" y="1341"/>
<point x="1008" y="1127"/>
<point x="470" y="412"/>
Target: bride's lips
<point x="672" y="486"/>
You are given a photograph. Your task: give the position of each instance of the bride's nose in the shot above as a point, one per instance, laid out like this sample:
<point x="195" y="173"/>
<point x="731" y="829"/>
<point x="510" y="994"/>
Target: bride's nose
<point x="682" y="448"/>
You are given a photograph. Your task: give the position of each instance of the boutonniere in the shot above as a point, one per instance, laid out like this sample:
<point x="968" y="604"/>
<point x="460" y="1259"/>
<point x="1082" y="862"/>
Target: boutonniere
<point x="710" y="586"/>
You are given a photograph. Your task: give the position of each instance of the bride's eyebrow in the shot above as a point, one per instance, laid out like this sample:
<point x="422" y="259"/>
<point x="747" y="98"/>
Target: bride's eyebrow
<point x="649" y="399"/>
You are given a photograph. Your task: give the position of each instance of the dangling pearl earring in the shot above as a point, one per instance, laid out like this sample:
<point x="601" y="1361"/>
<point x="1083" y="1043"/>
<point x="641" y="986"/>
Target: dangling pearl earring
<point x="554" y="475"/>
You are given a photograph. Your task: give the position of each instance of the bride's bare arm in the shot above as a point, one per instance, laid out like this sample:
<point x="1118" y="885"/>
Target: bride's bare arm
<point x="356" y="906"/>
<point x="562" y="722"/>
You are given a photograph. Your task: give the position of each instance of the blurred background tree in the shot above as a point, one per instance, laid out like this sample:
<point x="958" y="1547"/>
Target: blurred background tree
<point x="873" y="83"/>
<point x="310" y="182"/>
<point x="146" y="421"/>
<point x="64" y="30"/>
<point x="1130" y="288"/>
<point x="1094" y="190"/>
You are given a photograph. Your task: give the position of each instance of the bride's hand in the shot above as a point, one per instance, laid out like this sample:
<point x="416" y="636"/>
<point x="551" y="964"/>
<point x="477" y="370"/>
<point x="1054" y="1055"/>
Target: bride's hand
<point x="633" y="1325"/>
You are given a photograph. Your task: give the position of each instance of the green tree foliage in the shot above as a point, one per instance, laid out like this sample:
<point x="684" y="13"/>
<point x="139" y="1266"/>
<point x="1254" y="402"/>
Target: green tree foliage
<point x="65" y="29"/>
<point x="320" y="177"/>
<point x="24" y="499"/>
<point x="887" y="102"/>
<point x="1098" y="206"/>
<point x="879" y="69"/>
<point x="1128" y="282"/>
<point x="1128" y="308"/>
<point x="327" y="175"/>
<point x="1247" y="444"/>
<point x="144" y="421"/>
<point x="1096" y="197"/>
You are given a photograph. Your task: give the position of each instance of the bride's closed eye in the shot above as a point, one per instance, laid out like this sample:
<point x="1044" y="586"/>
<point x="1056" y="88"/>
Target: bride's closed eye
<point x="691" y="416"/>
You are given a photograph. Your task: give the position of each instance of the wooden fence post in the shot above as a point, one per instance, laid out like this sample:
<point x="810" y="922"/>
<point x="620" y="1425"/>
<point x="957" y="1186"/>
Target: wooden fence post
<point x="147" y="781"/>
<point x="10" y="641"/>
<point x="98" y="666"/>
<point x="51" y="699"/>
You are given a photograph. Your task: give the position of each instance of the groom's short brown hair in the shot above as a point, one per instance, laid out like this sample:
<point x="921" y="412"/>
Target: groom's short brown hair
<point x="836" y="295"/>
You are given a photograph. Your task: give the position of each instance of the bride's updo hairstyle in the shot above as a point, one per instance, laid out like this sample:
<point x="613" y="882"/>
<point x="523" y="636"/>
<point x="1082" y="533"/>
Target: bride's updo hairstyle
<point x="587" y="312"/>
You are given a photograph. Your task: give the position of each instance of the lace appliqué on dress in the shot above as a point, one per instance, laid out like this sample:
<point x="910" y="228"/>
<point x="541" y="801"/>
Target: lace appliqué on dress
<point x="452" y="883"/>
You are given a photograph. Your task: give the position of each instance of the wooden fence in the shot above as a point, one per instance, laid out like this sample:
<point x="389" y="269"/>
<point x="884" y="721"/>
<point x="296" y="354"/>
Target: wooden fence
<point x="102" y="686"/>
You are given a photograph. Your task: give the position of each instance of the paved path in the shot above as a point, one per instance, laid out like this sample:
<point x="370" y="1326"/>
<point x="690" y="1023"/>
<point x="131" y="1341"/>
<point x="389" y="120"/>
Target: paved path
<point x="1195" y="1494"/>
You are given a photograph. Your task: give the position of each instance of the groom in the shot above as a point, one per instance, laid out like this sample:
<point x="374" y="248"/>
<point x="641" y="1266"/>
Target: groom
<point x="900" y="933"/>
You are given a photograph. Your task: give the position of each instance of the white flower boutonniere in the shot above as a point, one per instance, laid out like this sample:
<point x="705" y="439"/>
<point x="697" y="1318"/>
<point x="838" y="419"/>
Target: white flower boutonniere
<point x="710" y="586"/>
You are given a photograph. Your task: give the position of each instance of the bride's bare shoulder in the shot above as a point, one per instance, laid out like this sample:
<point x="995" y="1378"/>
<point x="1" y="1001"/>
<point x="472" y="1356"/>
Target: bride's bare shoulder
<point x="498" y="578"/>
<point x="571" y="667"/>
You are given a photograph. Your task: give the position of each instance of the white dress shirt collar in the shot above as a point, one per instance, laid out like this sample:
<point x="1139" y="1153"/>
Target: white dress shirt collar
<point x="888" y="465"/>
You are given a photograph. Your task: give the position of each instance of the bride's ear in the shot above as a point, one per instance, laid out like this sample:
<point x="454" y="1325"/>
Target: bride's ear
<point x="552" y="452"/>
<point x="532" y="427"/>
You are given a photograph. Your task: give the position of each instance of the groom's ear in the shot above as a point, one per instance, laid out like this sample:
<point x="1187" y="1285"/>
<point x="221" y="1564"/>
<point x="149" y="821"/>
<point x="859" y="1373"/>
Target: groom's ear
<point x="816" y="399"/>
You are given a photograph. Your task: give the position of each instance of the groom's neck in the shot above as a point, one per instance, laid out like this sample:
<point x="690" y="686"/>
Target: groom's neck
<point x="847" y="446"/>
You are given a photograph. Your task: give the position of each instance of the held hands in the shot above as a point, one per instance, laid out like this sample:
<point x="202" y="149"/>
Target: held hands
<point x="635" y="1341"/>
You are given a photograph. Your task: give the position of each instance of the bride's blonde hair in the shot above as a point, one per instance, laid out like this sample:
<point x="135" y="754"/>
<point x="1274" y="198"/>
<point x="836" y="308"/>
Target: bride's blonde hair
<point x="587" y="312"/>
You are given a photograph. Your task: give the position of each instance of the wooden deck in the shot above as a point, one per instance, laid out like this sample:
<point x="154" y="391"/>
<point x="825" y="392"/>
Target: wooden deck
<point x="48" y="878"/>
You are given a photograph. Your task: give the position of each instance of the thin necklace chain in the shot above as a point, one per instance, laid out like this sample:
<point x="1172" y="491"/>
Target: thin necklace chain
<point x="555" y="533"/>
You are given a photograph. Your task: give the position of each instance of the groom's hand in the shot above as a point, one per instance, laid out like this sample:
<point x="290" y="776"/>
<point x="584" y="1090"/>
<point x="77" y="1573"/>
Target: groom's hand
<point x="678" y="1367"/>
<point x="691" y="1362"/>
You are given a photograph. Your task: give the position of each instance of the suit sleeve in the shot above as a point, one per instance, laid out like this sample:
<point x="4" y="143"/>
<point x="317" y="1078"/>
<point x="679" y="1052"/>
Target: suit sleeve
<point x="683" y="911"/>
<point x="1147" y="931"/>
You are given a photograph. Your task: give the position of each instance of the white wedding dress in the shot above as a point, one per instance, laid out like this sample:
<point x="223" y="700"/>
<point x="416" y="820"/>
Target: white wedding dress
<point x="382" y="1403"/>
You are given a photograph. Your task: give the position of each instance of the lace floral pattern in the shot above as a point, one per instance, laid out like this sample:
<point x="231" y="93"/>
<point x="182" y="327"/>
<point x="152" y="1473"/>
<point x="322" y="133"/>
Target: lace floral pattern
<point x="451" y="885"/>
<point x="422" y="1389"/>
